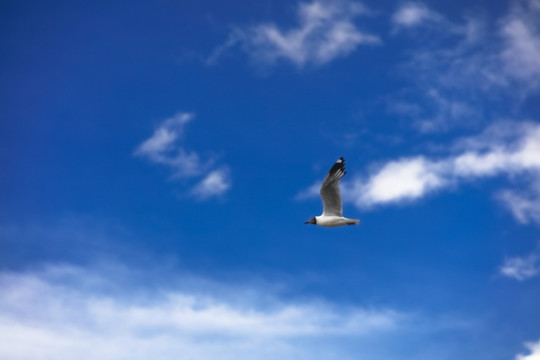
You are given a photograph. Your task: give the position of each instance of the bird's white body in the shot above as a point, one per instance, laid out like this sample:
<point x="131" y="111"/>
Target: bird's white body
<point x="332" y="215"/>
<point x="334" y="221"/>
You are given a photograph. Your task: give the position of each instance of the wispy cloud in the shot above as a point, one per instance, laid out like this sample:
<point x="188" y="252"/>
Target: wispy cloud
<point x="510" y="149"/>
<point x="524" y="204"/>
<point x="521" y="34"/>
<point x="412" y="178"/>
<point x="164" y="147"/>
<point x="413" y="14"/>
<point x="164" y="136"/>
<point x="435" y="110"/>
<point x="476" y="65"/>
<point x="71" y="312"/>
<point x="325" y="31"/>
<point x="534" y="349"/>
<point x="446" y="112"/>
<point x="522" y="268"/>
<point x="215" y="183"/>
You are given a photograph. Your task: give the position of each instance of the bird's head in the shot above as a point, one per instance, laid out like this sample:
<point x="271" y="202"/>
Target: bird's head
<point x="312" y="221"/>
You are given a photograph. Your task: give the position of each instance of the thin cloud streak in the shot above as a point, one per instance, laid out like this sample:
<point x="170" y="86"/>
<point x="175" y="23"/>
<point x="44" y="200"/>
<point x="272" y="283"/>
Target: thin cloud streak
<point x="326" y="31"/>
<point x="521" y="268"/>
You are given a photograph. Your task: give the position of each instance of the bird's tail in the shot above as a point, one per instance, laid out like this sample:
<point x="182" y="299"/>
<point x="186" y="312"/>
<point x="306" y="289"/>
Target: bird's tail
<point x="353" y="222"/>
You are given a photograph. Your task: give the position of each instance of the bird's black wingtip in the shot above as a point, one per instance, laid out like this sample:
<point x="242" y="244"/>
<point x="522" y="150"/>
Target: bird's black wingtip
<point x="339" y="166"/>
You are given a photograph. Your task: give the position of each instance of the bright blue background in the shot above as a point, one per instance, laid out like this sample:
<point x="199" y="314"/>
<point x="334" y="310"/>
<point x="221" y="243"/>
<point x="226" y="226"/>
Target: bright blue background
<point x="84" y="83"/>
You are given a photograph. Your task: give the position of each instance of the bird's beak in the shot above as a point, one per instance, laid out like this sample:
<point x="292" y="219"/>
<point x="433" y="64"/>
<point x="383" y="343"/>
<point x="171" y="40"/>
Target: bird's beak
<point x="307" y="222"/>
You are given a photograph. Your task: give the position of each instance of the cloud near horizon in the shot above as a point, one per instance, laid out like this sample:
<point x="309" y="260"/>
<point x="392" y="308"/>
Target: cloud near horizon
<point x="326" y="31"/>
<point x="63" y="311"/>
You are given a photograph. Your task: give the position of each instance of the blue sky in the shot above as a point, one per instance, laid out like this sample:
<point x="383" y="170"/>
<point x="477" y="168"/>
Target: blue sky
<point x="159" y="159"/>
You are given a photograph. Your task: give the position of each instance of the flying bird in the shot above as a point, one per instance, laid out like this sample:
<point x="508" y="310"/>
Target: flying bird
<point x="332" y="209"/>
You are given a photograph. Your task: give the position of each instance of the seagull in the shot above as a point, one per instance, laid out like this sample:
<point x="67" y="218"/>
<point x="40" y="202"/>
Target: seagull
<point x="332" y="209"/>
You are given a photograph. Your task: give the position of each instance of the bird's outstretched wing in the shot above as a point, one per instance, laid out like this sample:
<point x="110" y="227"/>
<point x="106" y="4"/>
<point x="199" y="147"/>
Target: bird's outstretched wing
<point x="330" y="189"/>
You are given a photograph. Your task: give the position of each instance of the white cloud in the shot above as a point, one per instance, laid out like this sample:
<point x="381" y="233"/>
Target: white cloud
<point x="397" y="181"/>
<point x="412" y="178"/>
<point x="215" y="183"/>
<point x="66" y="312"/>
<point x="326" y="31"/>
<point x="534" y="349"/>
<point x="413" y="14"/>
<point x="521" y="268"/>
<point x="164" y="137"/>
<point x="453" y="82"/>
<point x="525" y="206"/>
<point x="164" y="148"/>
<point x="474" y="70"/>
<point x="502" y="149"/>
<point x="521" y="34"/>
<point x="187" y="164"/>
